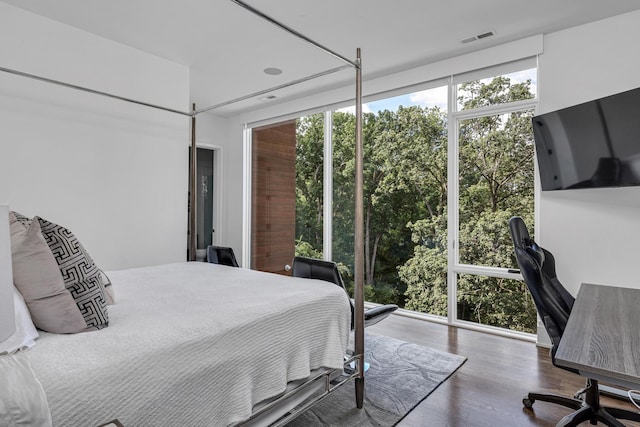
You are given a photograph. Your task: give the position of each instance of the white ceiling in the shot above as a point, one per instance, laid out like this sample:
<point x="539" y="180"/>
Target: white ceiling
<point x="227" y="47"/>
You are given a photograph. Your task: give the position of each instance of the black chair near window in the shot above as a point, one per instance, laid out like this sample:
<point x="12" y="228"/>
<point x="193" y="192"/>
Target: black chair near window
<point x="554" y="303"/>
<point x="221" y="255"/>
<point x="312" y="268"/>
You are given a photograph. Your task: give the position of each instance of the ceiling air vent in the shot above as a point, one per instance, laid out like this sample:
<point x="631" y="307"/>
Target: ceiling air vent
<point x="478" y="37"/>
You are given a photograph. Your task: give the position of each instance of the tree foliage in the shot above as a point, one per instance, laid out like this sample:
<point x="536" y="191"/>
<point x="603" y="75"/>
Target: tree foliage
<point x="405" y="202"/>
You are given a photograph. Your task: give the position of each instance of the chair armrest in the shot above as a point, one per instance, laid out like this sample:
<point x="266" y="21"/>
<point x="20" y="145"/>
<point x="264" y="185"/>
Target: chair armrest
<point x="376" y="314"/>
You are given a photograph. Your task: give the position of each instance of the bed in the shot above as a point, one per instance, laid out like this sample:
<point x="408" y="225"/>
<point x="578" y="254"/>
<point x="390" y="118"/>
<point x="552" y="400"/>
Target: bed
<point x="192" y="344"/>
<point x="237" y="338"/>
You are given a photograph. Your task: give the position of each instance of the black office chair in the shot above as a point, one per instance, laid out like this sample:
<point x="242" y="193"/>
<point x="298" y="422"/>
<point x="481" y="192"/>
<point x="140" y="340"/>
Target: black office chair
<point x="311" y="268"/>
<point x="554" y="303"/>
<point x="221" y="255"/>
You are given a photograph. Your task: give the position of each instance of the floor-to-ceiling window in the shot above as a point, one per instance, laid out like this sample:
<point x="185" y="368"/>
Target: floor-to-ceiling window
<point x="310" y="185"/>
<point x="405" y="188"/>
<point x="493" y="180"/>
<point x="446" y="165"/>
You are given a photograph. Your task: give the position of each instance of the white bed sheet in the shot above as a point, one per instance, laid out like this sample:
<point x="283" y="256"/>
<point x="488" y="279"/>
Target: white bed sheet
<point x="192" y="344"/>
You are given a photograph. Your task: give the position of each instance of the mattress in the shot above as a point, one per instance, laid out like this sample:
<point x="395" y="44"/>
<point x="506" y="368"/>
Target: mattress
<point x="192" y="344"/>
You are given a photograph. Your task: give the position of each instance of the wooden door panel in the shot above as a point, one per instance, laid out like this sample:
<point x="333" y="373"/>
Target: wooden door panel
<point x="273" y="198"/>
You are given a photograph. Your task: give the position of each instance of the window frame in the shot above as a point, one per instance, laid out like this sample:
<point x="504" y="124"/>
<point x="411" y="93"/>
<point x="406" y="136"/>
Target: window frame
<point x="455" y="117"/>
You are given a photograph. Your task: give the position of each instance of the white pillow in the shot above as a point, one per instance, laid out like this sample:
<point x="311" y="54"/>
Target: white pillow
<point x="22" y="398"/>
<point x="25" y="335"/>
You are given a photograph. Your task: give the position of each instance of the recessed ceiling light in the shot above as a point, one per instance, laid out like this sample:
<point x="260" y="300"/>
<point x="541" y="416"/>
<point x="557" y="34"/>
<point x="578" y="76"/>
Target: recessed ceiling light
<point x="272" y="71"/>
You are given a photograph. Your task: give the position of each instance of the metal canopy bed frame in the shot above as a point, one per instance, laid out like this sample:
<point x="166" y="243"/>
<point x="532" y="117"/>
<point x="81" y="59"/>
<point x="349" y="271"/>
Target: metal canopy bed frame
<point x="354" y="365"/>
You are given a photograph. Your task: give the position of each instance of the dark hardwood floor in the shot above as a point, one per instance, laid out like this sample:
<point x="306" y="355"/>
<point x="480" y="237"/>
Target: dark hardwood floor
<point x="488" y="389"/>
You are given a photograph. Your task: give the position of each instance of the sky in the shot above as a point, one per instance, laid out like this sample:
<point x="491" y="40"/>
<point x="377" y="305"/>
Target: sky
<point x="436" y="97"/>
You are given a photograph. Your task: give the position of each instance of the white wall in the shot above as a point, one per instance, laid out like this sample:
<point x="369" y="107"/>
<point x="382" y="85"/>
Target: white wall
<point x="593" y="233"/>
<point x="112" y="172"/>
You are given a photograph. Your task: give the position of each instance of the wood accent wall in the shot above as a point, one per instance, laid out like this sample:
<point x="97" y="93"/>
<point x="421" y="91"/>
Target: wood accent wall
<point x="273" y="198"/>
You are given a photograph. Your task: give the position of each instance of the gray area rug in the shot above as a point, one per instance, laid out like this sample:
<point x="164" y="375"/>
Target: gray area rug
<point x="400" y="376"/>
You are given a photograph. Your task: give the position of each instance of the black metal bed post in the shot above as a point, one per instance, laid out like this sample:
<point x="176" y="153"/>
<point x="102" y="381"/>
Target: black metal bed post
<point x="359" y="240"/>
<point x="192" y="188"/>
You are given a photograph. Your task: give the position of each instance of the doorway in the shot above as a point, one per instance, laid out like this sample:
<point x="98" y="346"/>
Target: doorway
<point x="204" y="200"/>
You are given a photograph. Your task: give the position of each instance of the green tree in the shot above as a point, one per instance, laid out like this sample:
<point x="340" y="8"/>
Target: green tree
<point x="403" y="181"/>
<point x="425" y="273"/>
<point x="495" y="183"/>
<point x="405" y="199"/>
<point x="309" y="181"/>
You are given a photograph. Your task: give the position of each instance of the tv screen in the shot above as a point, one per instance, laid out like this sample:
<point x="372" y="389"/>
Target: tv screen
<point x="594" y="144"/>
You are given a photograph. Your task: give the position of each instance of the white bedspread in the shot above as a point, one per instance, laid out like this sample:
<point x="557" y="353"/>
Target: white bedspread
<point x="192" y="344"/>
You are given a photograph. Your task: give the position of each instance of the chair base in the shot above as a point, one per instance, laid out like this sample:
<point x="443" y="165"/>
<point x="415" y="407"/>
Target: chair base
<point x="567" y="402"/>
<point x="588" y="409"/>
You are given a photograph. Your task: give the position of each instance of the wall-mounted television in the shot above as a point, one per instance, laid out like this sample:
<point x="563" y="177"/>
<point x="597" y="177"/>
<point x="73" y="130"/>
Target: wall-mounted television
<point x="594" y="144"/>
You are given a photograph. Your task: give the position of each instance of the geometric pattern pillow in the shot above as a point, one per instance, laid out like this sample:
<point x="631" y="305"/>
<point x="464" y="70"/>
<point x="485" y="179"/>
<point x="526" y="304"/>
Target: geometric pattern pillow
<point x="80" y="274"/>
<point x="37" y="277"/>
<point x="108" y="288"/>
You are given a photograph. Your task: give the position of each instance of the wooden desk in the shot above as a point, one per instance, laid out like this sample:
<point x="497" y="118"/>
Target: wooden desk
<point x="602" y="337"/>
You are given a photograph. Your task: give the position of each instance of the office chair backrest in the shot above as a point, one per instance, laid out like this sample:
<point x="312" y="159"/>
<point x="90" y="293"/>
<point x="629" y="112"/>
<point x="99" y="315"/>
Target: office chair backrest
<point x="537" y="265"/>
<point x="311" y="268"/>
<point x="221" y="255"/>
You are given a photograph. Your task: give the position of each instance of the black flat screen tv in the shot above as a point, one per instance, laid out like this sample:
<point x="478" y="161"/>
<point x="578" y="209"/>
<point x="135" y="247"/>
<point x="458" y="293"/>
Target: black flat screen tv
<point x="594" y="144"/>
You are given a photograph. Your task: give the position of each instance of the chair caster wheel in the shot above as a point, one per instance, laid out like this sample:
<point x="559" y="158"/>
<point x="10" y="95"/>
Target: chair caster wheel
<point x="527" y="402"/>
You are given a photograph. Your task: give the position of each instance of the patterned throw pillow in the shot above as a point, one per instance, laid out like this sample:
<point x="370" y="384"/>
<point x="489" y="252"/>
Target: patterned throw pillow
<point x="108" y="288"/>
<point x="81" y="275"/>
<point x="37" y="276"/>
